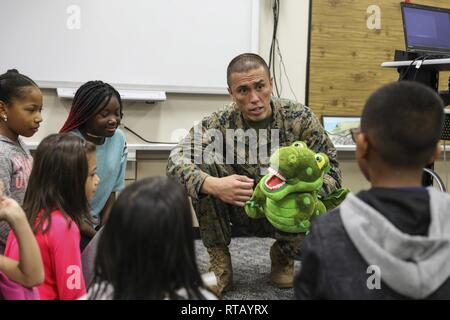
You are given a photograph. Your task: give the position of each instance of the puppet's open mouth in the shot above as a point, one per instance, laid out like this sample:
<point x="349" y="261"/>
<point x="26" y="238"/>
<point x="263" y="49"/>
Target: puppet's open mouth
<point x="275" y="180"/>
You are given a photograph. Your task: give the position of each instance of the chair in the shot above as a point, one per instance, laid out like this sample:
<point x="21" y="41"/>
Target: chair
<point x="430" y="173"/>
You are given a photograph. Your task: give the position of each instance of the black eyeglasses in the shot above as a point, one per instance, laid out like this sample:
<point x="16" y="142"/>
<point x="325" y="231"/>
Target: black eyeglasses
<point x="354" y="132"/>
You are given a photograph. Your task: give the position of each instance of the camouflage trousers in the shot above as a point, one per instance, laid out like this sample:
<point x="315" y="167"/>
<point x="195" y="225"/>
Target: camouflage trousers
<point x="218" y="219"/>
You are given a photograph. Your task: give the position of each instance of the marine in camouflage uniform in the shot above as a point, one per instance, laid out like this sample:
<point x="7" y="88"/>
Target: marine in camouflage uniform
<point x="216" y="218"/>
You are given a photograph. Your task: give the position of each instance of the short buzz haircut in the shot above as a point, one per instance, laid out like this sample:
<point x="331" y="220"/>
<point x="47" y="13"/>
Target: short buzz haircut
<point x="244" y="63"/>
<point x="404" y="120"/>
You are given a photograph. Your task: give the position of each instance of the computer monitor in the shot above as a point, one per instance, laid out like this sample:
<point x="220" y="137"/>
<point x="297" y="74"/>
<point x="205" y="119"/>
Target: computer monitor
<point x="426" y="29"/>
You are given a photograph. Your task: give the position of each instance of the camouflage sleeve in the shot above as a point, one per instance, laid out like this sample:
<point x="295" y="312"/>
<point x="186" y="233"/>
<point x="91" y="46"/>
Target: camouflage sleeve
<point x="317" y="139"/>
<point x="184" y="160"/>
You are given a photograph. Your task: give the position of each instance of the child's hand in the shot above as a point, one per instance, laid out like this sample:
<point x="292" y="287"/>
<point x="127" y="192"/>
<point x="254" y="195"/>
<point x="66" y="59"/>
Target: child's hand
<point x="10" y="210"/>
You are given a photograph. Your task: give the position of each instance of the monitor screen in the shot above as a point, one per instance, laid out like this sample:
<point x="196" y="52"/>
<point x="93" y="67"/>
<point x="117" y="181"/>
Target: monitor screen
<point x="338" y="129"/>
<point x="426" y="29"/>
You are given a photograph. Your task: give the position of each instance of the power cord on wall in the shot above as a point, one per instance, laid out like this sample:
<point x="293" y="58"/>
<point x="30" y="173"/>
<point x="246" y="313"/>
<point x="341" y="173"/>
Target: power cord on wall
<point x="275" y="11"/>
<point x="143" y="139"/>
<point x="404" y="75"/>
<point x="274" y="51"/>
<point x="420" y="63"/>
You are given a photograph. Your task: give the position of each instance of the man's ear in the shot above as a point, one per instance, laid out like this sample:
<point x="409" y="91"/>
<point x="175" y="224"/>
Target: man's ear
<point x="437" y="151"/>
<point x="231" y="94"/>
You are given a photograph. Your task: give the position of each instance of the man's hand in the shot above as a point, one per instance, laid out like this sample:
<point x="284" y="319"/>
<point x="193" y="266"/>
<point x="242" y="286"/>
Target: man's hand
<point x="234" y="189"/>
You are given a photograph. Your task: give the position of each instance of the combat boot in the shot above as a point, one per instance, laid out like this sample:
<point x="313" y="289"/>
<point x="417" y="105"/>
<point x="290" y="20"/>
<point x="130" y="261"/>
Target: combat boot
<point x="220" y="264"/>
<point x="282" y="268"/>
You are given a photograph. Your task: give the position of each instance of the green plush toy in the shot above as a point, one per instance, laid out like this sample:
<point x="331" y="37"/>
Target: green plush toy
<point x="288" y="196"/>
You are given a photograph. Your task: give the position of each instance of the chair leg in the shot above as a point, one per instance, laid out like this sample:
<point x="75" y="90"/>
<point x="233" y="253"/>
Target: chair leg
<point x="436" y="177"/>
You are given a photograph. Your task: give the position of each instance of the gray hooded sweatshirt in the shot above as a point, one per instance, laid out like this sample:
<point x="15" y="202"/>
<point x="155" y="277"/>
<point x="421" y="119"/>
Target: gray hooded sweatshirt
<point x="345" y="245"/>
<point x="15" y="169"/>
<point x="414" y="266"/>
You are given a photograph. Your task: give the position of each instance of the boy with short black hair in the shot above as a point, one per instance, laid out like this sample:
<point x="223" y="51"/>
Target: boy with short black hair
<point x="393" y="240"/>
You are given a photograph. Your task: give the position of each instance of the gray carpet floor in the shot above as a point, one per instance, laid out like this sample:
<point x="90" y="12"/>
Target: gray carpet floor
<point x="251" y="270"/>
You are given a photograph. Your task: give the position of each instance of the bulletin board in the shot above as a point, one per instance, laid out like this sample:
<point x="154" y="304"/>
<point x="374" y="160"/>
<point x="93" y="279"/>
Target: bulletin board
<point x="348" y="42"/>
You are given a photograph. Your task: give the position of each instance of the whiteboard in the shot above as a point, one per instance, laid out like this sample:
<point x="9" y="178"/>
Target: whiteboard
<point x="170" y="45"/>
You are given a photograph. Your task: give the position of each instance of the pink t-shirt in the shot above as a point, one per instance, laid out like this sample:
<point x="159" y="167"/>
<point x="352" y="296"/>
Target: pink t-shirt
<point x="60" y="251"/>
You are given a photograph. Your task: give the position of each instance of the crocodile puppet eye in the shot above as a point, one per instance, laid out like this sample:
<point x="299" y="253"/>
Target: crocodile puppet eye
<point x="299" y="145"/>
<point x="320" y="161"/>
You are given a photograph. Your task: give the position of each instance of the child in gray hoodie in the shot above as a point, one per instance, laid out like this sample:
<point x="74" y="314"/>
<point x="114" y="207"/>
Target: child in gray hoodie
<point x="393" y="240"/>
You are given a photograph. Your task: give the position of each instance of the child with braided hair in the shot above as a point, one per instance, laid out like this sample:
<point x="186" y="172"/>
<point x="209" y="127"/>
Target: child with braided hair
<point x="95" y="115"/>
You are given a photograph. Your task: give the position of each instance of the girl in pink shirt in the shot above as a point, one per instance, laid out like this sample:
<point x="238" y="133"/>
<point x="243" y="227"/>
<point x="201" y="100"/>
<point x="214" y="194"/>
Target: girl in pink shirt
<point x="62" y="182"/>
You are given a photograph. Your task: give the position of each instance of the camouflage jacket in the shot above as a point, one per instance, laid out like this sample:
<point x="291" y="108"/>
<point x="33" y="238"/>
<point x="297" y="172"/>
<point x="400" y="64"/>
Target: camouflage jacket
<point x="214" y="139"/>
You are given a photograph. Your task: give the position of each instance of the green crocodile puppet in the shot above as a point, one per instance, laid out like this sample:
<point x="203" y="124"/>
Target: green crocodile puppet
<point x="288" y="196"/>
